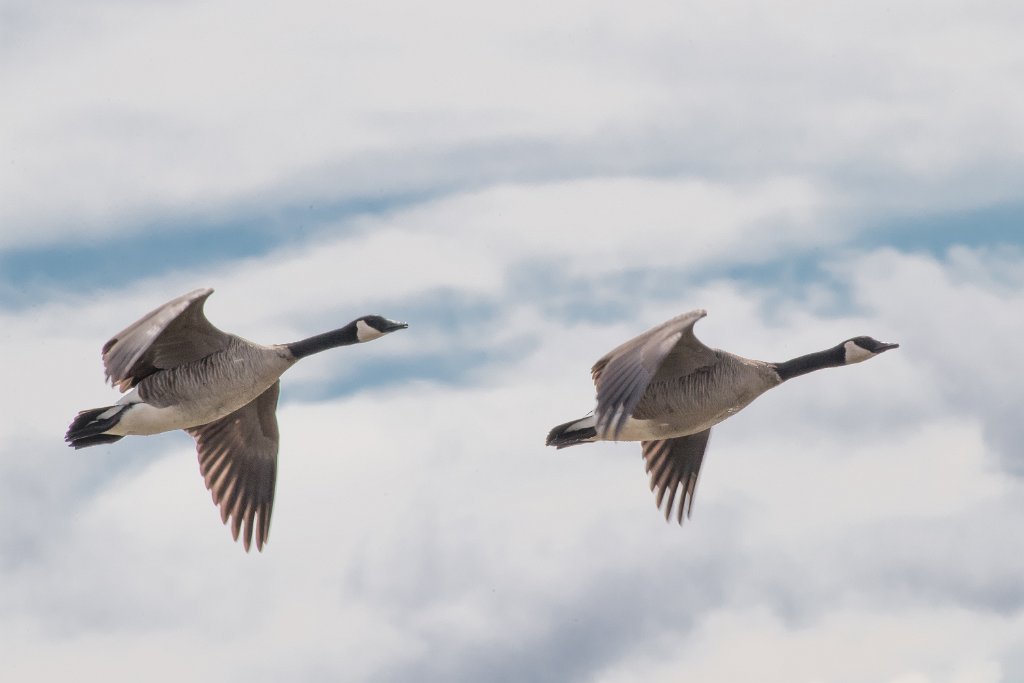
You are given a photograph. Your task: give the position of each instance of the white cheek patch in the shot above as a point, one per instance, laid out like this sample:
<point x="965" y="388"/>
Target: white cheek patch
<point x="855" y="354"/>
<point x="365" y="333"/>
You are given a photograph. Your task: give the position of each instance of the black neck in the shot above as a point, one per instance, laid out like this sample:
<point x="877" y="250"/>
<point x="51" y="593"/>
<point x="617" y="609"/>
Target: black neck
<point x="828" y="358"/>
<point x="342" y="336"/>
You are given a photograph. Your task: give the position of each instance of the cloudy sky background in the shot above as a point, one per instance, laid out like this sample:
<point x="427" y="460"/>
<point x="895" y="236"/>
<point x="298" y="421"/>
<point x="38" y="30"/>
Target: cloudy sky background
<point x="528" y="185"/>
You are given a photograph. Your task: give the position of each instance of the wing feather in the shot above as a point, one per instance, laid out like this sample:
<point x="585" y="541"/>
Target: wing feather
<point x="674" y="465"/>
<point x="623" y="375"/>
<point x="238" y="461"/>
<point x="166" y="337"/>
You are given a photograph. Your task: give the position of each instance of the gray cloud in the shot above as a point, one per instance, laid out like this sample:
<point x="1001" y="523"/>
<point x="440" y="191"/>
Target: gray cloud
<point x="527" y="191"/>
<point x="476" y="553"/>
<point x="685" y="93"/>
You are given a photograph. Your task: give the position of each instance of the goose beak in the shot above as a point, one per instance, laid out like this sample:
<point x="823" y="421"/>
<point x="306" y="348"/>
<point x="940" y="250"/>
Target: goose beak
<point x="886" y="347"/>
<point x="393" y="325"/>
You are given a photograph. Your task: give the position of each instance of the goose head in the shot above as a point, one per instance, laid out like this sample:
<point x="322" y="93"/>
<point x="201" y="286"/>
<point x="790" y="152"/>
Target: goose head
<point x="371" y="327"/>
<point x="861" y="348"/>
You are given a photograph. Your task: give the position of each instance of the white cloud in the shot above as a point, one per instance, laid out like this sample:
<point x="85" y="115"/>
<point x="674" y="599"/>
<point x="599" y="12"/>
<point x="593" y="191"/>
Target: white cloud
<point x="122" y="110"/>
<point x="936" y="646"/>
<point x="583" y="172"/>
<point x="423" y="528"/>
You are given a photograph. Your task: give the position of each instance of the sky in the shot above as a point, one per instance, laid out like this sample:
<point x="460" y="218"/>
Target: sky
<point x="528" y="185"/>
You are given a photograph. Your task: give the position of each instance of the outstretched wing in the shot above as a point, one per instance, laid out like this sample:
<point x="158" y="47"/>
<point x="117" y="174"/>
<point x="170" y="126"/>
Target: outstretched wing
<point x="238" y="461"/>
<point x="674" y="465"/>
<point x="622" y="375"/>
<point x="171" y="335"/>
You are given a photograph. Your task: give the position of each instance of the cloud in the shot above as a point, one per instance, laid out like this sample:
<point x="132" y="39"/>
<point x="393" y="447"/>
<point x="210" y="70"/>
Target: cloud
<point x="966" y="341"/>
<point x="422" y="527"/>
<point x="135" y="109"/>
<point x="851" y="646"/>
<point x="527" y="186"/>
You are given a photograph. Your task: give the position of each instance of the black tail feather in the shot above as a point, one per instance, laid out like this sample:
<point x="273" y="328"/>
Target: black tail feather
<point x="562" y="436"/>
<point x="87" y="429"/>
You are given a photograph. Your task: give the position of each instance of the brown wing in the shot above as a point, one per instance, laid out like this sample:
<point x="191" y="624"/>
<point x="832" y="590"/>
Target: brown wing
<point x="171" y="335"/>
<point x="623" y="374"/>
<point x="238" y="461"/>
<point x="674" y="465"/>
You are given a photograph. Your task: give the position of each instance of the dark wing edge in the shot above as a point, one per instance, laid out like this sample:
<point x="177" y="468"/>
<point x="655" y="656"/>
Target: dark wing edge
<point x="238" y="461"/>
<point x="674" y="465"/>
<point x="622" y="375"/>
<point x="172" y="334"/>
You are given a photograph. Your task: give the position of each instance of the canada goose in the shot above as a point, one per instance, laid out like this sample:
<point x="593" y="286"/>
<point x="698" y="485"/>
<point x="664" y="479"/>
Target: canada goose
<point x="184" y="373"/>
<point x="666" y="389"/>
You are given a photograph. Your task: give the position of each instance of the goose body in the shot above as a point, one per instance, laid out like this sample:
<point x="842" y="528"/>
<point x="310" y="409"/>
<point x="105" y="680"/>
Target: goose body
<point x="667" y="390"/>
<point x="180" y="372"/>
<point x="203" y="390"/>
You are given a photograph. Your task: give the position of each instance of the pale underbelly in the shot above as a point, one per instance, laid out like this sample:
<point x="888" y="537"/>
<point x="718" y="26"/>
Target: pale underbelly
<point x="143" y="419"/>
<point x="653" y="430"/>
<point x="656" y="430"/>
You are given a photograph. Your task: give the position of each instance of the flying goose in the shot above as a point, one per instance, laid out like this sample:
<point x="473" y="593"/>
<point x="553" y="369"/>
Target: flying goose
<point x="667" y="390"/>
<point x="184" y="373"/>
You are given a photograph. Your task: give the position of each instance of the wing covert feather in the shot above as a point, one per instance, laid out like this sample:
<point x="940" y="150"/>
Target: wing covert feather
<point x="623" y="374"/>
<point x="166" y="337"/>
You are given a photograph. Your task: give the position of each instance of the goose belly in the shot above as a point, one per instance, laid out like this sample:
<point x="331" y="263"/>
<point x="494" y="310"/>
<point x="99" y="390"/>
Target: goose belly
<point x="655" y="429"/>
<point x="142" y="419"/>
<point x="668" y="417"/>
<point x="192" y="395"/>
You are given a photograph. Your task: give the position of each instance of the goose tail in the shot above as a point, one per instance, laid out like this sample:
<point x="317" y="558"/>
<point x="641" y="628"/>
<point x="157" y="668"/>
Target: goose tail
<point x="572" y="433"/>
<point x="88" y="427"/>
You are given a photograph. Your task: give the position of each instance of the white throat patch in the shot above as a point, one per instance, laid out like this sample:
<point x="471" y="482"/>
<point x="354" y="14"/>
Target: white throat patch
<point x="365" y="333"/>
<point x="855" y="353"/>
